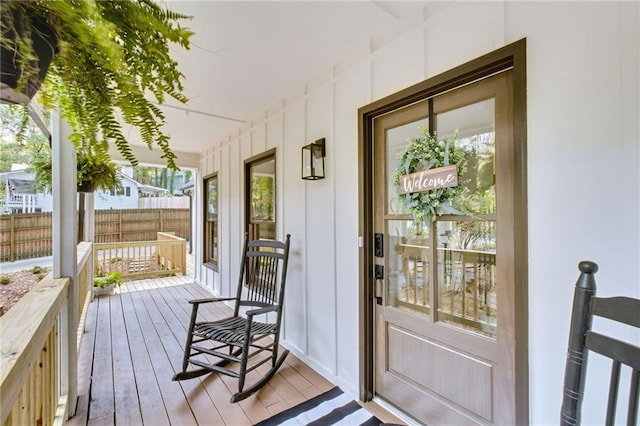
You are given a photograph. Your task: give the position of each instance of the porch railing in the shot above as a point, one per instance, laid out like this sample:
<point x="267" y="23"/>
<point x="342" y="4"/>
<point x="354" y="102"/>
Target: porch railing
<point x="141" y="259"/>
<point x="26" y="203"/>
<point x="32" y="362"/>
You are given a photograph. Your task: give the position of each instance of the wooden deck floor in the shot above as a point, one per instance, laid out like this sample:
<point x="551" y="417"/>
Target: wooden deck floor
<point x="134" y="344"/>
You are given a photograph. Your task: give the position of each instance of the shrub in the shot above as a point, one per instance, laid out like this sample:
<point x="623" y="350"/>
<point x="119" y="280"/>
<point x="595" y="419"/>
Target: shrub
<point x="114" y="278"/>
<point x="5" y="279"/>
<point x="36" y="269"/>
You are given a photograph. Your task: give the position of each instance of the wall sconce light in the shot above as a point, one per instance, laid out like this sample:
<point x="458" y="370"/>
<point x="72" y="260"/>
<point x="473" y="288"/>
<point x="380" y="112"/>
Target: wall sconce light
<point x="313" y="160"/>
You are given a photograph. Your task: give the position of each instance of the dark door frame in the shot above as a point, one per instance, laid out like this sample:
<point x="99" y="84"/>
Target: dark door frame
<point x="512" y="56"/>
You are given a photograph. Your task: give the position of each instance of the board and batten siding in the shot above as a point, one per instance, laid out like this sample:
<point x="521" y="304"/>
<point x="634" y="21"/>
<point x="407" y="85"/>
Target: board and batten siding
<point x="582" y="116"/>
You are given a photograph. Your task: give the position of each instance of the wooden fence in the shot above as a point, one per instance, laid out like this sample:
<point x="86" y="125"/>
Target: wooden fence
<point x="164" y="202"/>
<point x="29" y="235"/>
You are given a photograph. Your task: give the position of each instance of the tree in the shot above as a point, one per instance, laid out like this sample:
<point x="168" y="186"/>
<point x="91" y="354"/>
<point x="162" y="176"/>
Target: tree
<point x="159" y="176"/>
<point x="16" y="150"/>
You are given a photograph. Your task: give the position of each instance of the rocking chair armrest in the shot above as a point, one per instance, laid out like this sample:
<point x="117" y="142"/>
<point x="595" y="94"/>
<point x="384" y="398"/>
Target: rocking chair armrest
<point x="260" y="311"/>
<point x="209" y="300"/>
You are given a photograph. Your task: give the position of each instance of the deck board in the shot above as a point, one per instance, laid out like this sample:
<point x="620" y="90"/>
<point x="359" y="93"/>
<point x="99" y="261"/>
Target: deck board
<point x="125" y="395"/>
<point x="149" y="394"/>
<point x="133" y="345"/>
<point x="172" y="395"/>
<point x="102" y="398"/>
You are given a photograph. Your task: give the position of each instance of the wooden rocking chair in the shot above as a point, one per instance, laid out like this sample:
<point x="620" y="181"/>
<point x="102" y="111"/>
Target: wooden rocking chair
<point x="211" y="345"/>
<point x="582" y="340"/>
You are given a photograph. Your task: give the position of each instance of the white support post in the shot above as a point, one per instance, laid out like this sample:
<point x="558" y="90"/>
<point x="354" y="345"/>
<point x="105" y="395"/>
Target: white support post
<point x="89" y="217"/>
<point x="65" y="229"/>
<point x="90" y="231"/>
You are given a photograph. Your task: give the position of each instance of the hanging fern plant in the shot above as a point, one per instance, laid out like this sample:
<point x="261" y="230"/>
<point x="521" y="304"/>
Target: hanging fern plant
<point x="111" y="55"/>
<point x="423" y="153"/>
<point x="95" y="170"/>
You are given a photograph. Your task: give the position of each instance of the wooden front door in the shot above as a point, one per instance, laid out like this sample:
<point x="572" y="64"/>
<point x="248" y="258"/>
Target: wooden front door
<point x="444" y="307"/>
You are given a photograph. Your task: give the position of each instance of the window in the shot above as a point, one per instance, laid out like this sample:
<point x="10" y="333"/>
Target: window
<point x="260" y="196"/>
<point x="128" y="191"/>
<point x="211" y="221"/>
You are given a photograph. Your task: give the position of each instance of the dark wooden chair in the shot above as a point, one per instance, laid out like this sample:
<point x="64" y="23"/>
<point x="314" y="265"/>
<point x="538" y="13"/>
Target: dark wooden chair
<point x="254" y="327"/>
<point x="583" y="339"/>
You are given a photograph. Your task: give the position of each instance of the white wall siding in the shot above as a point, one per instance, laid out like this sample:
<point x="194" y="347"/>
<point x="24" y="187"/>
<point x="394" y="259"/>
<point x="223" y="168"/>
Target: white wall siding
<point x="583" y="147"/>
<point x="294" y="193"/>
<point x="629" y="54"/>
<point x="229" y="266"/>
<point x="258" y="138"/>
<point x="320" y="242"/>
<point x="351" y="91"/>
<point x="582" y="173"/>
<point x="462" y="32"/>
<point x="397" y="65"/>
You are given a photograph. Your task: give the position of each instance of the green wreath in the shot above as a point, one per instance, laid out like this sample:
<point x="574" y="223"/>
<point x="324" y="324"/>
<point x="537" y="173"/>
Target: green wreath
<point x="423" y="153"/>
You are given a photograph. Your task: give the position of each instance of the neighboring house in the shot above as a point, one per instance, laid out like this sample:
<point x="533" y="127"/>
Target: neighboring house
<point x="127" y="197"/>
<point x="20" y="194"/>
<point x="22" y="197"/>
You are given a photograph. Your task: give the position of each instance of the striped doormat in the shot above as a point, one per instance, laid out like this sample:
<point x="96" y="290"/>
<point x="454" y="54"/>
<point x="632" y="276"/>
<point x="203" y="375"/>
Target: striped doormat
<point x="330" y="408"/>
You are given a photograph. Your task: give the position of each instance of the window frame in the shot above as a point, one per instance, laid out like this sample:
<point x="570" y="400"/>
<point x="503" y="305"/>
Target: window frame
<point x="249" y="164"/>
<point x="207" y="260"/>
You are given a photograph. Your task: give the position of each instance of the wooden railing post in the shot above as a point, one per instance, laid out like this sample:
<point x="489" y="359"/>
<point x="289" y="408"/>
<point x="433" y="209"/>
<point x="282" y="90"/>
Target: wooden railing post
<point x="183" y="252"/>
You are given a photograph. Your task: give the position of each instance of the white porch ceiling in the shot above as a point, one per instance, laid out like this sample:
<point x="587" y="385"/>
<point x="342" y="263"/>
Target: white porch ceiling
<point x="247" y="55"/>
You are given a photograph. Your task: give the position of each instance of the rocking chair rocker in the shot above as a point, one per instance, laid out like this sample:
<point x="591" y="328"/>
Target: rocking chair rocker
<point x="211" y="345"/>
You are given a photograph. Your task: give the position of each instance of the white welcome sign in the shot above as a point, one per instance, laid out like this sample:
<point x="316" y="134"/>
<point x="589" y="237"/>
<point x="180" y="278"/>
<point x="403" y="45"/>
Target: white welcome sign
<point x="427" y="180"/>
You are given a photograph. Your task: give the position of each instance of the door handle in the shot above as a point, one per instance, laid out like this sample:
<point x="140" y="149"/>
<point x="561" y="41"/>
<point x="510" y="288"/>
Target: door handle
<point x="379" y="276"/>
<point x="379" y="272"/>
<point x="378" y="244"/>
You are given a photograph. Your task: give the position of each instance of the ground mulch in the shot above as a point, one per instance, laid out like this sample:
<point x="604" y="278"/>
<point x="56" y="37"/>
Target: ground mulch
<point x="20" y="282"/>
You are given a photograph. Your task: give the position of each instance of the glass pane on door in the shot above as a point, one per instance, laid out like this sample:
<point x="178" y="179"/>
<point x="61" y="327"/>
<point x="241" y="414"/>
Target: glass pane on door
<point x="467" y="275"/>
<point x="466" y="252"/>
<point x="475" y="129"/>
<point x="397" y="142"/>
<point x="408" y="253"/>
<point x="408" y="259"/>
